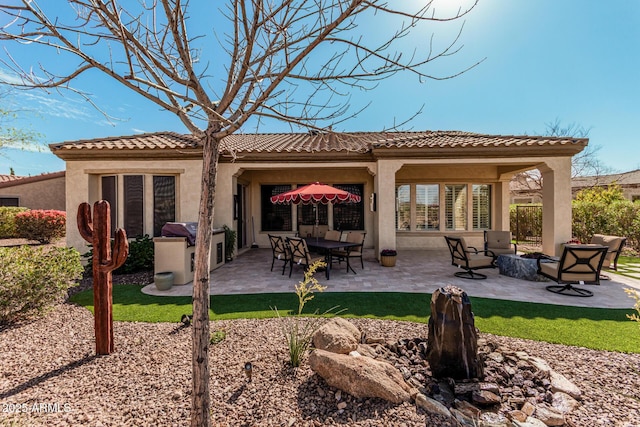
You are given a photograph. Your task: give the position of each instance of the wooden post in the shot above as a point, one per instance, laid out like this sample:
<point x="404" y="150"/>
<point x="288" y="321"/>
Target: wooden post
<point x="98" y="233"/>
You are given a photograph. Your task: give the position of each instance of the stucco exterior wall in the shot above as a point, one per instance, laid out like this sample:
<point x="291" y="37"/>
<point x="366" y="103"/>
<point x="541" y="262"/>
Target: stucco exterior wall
<point x="83" y="185"/>
<point x="41" y="194"/>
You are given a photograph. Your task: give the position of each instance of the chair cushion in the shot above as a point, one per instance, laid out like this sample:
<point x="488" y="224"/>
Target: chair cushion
<point x="498" y="239"/>
<point x="613" y="242"/>
<point x="478" y="260"/>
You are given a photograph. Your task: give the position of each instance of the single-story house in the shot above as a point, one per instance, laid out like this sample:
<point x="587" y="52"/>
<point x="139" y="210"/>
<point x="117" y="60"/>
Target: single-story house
<point x="44" y="191"/>
<point x="416" y="187"/>
<point x="629" y="183"/>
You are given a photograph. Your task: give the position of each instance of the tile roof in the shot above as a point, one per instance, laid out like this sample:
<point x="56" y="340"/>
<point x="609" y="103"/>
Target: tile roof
<point x="359" y="142"/>
<point x="145" y="141"/>
<point x="27" y="179"/>
<point x="625" y="178"/>
<point x="8" y="178"/>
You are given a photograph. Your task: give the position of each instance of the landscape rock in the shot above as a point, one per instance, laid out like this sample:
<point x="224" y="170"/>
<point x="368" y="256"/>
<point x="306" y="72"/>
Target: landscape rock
<point x="549" y="416"/>
<point x="337" y="335"/>
<point x="560" y="383"/>
<point x="452" y="345"/>
<point x="563" y="402"/>
<point x="432" y="405"/>
<point x="360" y="376"/>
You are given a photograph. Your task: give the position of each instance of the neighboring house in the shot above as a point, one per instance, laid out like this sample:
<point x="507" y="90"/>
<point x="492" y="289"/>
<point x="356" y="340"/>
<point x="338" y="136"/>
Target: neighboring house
<point x="45" y="191"/>
<point x="416" y="187"/>
<point x="525" y="190"/>
<point x="629" y="182"/>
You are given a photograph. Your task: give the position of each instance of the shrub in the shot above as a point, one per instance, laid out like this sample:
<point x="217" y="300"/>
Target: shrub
<point x="8" y="221"/>
<point x="140" y="256"/>
<point x="32" y="279"/>
<point x="41" y="225"/>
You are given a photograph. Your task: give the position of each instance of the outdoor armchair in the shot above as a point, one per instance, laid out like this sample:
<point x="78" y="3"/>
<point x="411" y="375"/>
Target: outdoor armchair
<point x="614" y="245"/>
<point x="578" y="264"/>
<point x="499" y="242"/>
<point x="469" y="258"/>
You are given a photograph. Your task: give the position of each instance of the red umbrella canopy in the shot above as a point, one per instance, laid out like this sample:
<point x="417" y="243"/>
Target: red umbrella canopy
<point x="315" y="193"/>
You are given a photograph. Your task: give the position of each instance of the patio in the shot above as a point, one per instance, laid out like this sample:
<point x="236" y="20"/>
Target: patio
<point x="415" y="271"/>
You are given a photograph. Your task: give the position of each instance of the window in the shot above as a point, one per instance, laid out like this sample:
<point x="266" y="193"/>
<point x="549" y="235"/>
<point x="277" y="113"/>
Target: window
<point x="275" y="217"/>
<point x="481" y="206"/>
<point x="427" y="207"/>
<point x="9" y="201"/>
<point x="109" y="193"/>
<point x="133" y="205"/>
<point x="349" y="216"/>
<point x="164" y="202"/>
<point x="456" y="206"/>
<point x="403" y="207"/>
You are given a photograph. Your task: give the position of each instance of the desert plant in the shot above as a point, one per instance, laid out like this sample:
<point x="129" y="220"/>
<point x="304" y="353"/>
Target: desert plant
<point x="636" y="296"/>
<point x="8" y="221"/>
<point x="32" y="279"/>
<point x="140" y="258"/>
<point x="217" y="336"/>
<point x="296" y="331"/>
<point x="41" y="225"/>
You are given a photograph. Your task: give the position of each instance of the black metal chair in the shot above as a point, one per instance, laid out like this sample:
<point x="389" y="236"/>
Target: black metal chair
<point x="578" y="264"/>
<point x="352" y="252"/>
<point x="469" y="258"/>
<point x="280" y="251"/>
<point x="300" y="254"/>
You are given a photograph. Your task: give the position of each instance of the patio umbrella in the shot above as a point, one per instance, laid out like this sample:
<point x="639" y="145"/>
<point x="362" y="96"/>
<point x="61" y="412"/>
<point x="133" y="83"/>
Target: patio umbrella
<point x="313" y="194"/>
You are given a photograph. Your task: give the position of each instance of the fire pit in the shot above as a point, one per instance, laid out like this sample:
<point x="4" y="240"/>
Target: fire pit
<point x="520" y="267"/>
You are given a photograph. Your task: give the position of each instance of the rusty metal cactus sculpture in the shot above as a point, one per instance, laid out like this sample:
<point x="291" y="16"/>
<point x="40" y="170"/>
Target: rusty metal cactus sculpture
<point x="98" y="233"/>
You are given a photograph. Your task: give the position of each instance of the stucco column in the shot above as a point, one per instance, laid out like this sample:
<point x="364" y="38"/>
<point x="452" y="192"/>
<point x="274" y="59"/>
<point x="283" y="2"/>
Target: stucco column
<point x="385" y="217"/>
<point x="225" y="189"/>
<point x="556" y="201"/>
<point x="502" y="198"/>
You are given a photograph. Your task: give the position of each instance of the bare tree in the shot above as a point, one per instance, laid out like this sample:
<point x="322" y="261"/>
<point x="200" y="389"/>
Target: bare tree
<point x="585" y="163"/>
<point x="294" y="61"/>
<point x="12" y="136"/>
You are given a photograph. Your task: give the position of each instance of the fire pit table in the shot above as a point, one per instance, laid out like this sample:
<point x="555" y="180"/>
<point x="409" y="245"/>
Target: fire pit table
<point x="521" y="268"/>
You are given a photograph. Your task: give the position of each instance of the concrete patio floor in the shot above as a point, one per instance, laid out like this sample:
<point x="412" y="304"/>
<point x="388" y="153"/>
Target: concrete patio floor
<point x="419" y="271"/>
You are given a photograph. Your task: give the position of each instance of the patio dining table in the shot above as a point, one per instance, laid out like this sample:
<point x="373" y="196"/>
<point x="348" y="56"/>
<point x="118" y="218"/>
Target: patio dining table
<point x="328" y="246"/>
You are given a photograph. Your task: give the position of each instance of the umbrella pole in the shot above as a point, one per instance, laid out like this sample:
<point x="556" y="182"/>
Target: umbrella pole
<point x="315" y="205"/>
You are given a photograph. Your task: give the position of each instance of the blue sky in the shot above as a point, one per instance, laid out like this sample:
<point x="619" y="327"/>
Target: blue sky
<point x="570" y="60"/>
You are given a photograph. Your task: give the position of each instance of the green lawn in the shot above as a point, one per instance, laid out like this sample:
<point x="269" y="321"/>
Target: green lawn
<point x="601" y="329"/>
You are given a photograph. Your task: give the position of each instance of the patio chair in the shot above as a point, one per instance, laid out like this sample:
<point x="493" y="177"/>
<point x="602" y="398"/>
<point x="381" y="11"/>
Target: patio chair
<point x="280" y="251"/>
<point x="499" y="242"/>
<point x="300" y="254"/>
<point x="469" y="258"/>
<point x="333" y="235"/>
<point x="353" y="252"/>
<point x="614" y="245"/>
<point x="578" y="264"/>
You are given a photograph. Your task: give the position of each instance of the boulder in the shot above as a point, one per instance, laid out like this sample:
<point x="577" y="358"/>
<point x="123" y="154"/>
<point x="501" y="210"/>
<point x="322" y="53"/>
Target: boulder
<point x="360" y="376"/>
<point x="337" y="336"/>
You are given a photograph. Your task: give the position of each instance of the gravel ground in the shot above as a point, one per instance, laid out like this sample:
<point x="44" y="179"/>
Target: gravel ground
<point x="49" y="377"/>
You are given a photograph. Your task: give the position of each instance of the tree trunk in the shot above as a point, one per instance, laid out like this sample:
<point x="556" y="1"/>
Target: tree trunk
<point x="200" y="400"/>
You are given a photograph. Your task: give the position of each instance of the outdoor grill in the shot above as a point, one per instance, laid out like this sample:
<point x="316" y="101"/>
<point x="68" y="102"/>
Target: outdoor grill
<point x="181" y="229"/>
<point x="174" y="251"/>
